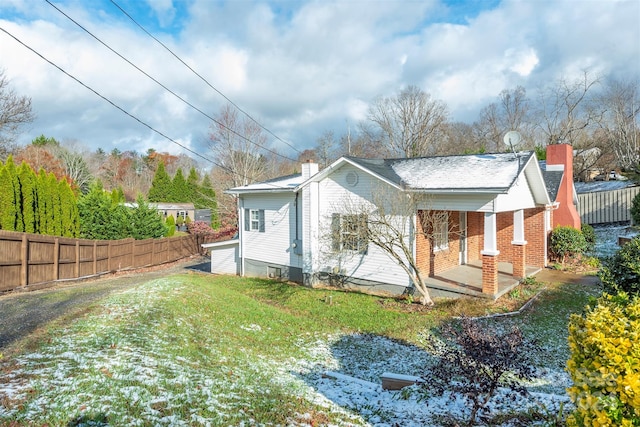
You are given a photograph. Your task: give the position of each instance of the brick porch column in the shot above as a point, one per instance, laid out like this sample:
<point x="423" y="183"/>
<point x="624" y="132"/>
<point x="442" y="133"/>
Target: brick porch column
<point x="519" y="245"/>
<point x="489" y="274"/>
<point x="490" y="255"/>
<point x="519" y="267"/>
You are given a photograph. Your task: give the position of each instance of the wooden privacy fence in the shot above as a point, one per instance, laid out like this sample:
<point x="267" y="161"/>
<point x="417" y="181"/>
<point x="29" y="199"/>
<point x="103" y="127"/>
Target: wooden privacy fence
<point x="34" y="259"/>
<point x="604" y="207"/>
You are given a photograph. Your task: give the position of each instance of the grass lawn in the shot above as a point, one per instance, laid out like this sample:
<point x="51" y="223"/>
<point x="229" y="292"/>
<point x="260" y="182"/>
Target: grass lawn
<point x="198" y="349"/>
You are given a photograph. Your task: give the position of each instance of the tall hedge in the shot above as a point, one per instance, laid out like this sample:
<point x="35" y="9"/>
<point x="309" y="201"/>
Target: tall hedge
<point x="36" y="203"/>
<point x="605" y="363"/>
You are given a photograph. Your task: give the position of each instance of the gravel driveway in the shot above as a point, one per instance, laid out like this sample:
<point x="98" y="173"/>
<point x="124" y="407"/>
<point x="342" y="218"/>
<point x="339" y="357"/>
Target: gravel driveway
<point x="22" y="313"/>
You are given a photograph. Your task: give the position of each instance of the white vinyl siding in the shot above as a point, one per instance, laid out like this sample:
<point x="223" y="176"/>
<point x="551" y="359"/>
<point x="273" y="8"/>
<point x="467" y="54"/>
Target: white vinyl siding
<point x="273" y="241"/>
<point x="375" y="265"/>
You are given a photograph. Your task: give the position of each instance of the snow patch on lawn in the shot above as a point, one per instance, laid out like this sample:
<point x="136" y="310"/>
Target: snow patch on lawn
<point x="133" y="368"/>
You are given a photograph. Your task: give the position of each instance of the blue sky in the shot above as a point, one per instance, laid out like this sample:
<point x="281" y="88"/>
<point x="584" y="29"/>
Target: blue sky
<point x="299" y="67"/>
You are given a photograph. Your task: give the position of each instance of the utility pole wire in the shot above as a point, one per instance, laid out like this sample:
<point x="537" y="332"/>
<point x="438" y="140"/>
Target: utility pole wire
<point x="165" y="87"/>
<point x="202" y="78"/>
<point x="114" y="104"/>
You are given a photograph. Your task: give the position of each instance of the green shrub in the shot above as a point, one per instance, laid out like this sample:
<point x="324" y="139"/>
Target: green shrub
<point x="605" y="363"/>
<point x="171" y="226"/>
<point x="621" y="272"/>
<point x="567" y="242"/>
<point x="635" y="209"/>
<point x="589" y="236"/>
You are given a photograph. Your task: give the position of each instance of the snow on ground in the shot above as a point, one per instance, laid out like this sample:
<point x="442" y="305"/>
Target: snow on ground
<point x="135" y="368"/>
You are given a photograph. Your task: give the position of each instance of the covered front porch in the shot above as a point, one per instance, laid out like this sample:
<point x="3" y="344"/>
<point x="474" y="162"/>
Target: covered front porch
<point x="466" y="280"/>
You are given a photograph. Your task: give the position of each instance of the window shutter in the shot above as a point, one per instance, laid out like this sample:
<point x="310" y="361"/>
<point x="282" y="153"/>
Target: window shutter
<point x="261" y="220"/>
<point x="363" y="234"/>
<point x="335" y="232"/>
<point x="247" y="219"/>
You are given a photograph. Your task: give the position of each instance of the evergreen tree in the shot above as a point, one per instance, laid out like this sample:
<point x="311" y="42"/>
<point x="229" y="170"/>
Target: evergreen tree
<point x="193" y="187"/>
<point x="42" y="201"/>
<point x="160" y="190"/>
<point x="54" y="210"/>
<point x="100" y="218"/>
<point x="69" y="210"/>
<point x="28" y="180"/>
<point x="7" y="200"/>
<point x="146" y="221"/>
<point x="179" y="189"/>
<point x="17" y="193"/>
<point x="171" y="226"/>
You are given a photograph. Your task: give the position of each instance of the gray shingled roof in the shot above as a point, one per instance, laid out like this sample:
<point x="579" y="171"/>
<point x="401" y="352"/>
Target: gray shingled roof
<point x="475" y="172"/>
<point x="552" y="180"/>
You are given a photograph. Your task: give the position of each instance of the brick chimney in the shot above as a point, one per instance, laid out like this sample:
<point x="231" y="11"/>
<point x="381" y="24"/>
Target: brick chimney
<point x="309" y="169"/>
<point x="560" y="158"/>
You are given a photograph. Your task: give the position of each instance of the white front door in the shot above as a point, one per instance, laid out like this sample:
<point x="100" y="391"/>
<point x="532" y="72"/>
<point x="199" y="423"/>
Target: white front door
<point x="463" y="238"/>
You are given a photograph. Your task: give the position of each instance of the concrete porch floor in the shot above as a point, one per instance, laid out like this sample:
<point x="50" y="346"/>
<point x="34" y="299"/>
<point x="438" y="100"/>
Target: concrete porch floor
<point x="467" y="280"/>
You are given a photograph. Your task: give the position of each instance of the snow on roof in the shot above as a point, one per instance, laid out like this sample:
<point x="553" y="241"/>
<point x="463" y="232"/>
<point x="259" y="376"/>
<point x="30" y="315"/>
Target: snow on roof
<point x="594" y="186"/>
<point x="289" y="182"/>
<point x="497" y="171"/>
<point x="491" y="172"/>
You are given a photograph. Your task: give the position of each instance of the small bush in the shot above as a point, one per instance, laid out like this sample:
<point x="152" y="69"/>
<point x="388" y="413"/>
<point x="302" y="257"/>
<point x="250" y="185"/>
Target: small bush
<point x="475" y="361"/>
<point x="567" y="242"/>
<point x="171" y="226"/>
<point x="605" y="363"/>
<point x="635" y="209"/>
<point x="589" y="236"/>
<point x="621" y="272"/>
<point x="199" y="227"/>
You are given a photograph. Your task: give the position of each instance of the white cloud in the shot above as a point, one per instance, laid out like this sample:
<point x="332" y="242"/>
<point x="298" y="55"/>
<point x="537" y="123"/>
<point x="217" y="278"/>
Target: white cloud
<point x="301" y="68"/>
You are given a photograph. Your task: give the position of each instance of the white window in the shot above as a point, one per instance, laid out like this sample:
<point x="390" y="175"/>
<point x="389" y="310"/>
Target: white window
<point x="254" y="220"/>
<point x="441" y="232"/>
<point x="349" y="232"/>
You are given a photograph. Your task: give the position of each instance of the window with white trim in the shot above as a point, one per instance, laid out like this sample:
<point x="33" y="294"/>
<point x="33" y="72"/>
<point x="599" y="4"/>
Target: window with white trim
<point x="441" y="232"/>
<point x="349" y="232"/>
<point x="254" y="220"/>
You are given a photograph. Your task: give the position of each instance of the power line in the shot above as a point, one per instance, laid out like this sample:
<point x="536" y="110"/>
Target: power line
<point x="117" y="106"/>
<point x="202" y="78"/>
<point x="166" y="88"/>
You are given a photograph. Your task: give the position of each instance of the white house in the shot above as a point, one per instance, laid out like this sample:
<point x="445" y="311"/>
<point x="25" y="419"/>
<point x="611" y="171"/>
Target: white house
<point x="495" y="212"/>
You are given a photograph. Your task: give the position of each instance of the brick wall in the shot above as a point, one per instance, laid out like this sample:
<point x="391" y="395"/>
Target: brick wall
<point x="535" y="236"/>
<point x="438" y="261"/>
<point x="435" y="263"/>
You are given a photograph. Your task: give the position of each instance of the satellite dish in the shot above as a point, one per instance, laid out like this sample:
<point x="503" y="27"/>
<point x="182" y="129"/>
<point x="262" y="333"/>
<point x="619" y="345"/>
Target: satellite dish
<point x="512" y="140"/>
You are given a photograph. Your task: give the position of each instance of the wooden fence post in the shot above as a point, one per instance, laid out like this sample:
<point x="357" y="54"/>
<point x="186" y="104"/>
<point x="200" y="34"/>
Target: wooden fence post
<point x="77" y="266"/>
<point x="95" y="257"/>
<point x="56" y="258"/>
<point x="24" y="268"/>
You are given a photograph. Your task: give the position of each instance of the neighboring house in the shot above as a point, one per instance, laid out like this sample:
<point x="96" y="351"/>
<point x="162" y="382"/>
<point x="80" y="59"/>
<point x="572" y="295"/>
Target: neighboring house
<point x="496" y="211"/>
<point x="176" y="210"/>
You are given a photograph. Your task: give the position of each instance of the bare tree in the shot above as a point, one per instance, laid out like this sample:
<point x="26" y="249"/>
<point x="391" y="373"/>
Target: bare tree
<point x="326" y="147"/>
<point x="565" y="110"/>
<point x="509" y="113"/>
<point x="390" y="220"/>
<point x="236" y="143"/>
<point x="410" y="124"/>
<point x="15" y="112"/>
<point x="620" y="125"/>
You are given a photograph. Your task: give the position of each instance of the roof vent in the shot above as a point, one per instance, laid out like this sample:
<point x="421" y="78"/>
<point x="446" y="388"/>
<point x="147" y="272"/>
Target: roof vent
<point x="352" y="179"/>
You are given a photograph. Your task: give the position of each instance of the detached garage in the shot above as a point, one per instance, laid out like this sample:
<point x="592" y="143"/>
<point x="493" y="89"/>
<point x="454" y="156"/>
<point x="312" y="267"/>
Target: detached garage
<point x="225" y="256"/>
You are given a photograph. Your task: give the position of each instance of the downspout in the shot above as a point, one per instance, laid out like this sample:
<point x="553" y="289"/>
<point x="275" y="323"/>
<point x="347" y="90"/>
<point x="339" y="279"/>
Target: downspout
<point x="241" y="234"/>
<point x="295" y="203"/>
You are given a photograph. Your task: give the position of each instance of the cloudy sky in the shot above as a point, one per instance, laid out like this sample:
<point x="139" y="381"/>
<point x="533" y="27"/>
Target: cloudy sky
<point x="298" y="67"/>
